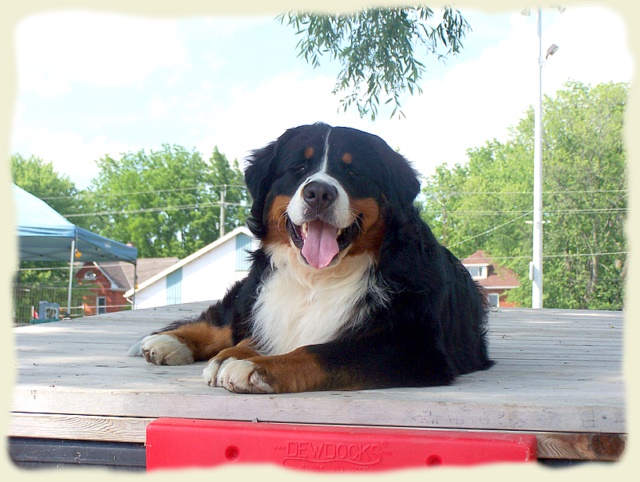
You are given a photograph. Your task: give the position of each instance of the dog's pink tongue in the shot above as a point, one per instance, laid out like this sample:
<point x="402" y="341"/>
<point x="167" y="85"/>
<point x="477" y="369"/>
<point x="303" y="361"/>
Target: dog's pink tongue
<point x="320" y="245"/>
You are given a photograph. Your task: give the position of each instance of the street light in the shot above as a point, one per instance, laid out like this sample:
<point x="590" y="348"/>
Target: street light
<point x="535" y="271"/>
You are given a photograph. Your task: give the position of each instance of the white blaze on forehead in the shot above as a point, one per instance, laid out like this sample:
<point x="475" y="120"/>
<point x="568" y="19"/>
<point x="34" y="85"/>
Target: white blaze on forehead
<point x="325" y="153"/>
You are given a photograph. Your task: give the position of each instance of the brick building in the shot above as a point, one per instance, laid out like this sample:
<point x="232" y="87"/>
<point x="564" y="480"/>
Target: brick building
<point x="496" y="280"/>
<point x="109" y="281"/>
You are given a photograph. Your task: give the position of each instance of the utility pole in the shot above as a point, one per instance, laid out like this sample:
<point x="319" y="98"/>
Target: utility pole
<point x="223" y="193"/>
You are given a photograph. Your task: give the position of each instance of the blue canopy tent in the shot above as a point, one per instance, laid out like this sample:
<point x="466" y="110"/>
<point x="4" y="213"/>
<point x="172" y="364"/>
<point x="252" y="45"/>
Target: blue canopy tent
<point x="45" y="235"/>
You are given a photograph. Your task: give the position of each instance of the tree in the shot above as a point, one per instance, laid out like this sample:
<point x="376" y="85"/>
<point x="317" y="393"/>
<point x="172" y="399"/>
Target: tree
<point x="486" y="203"/>
<point x="165" y="202"/>
<point x="230" y="180"/>
<point x="378" y="49"/>
<point x="587" y="184"/>
<point x="40" y="179"/>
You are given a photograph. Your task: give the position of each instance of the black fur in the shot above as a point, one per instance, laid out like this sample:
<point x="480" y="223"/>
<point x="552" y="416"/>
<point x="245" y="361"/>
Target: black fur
<point x="433" y="326"/>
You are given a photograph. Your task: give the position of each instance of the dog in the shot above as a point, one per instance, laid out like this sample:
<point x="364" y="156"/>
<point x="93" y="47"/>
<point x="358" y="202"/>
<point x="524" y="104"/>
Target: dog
<point x="349" y="289"/>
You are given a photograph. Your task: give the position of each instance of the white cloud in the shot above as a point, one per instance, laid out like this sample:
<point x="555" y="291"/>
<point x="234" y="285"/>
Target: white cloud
<point x="594" y="47"/>
<point x="479" y="100"/>
<point x="256" y="117"/>
<point x="69" y="152"/>
<point x="473" y="102"/>
<point x="55" y="50"/>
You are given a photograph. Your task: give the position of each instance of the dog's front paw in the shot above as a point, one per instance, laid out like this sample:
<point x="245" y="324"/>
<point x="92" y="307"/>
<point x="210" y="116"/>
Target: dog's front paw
<point x="163" y="349"/>
<point x="210" y="372"/>
<point x="240" y="376"/>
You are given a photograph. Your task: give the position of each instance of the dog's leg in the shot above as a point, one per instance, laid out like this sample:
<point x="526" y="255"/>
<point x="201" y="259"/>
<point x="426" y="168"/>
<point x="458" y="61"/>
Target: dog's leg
<point x="200" y="339"/>
<point x="185" y="343"/>
<point x="241" y="351"/>
<point x="238" y="369"/>
<point x="357" y="364"/>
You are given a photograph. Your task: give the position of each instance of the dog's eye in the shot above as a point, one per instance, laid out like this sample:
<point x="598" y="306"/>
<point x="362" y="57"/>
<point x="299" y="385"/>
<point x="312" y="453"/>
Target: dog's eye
<point x="299" y="168"/>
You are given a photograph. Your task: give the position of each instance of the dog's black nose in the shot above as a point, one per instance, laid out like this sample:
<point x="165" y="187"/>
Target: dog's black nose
<point x="319" y="195"/>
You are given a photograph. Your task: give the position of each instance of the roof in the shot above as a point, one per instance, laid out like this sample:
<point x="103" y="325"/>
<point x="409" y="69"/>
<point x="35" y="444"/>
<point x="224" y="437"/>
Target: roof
<point x="190" y="258"/>
<point x="479" y="258"/>
<point x="45" y="235"/>
<point x="121" y="274"/>
<point x="499" y="277"/>
<point x="147" y="267"/>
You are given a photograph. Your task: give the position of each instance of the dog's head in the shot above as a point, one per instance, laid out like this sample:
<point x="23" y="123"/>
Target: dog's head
<point x="327" y="192"/>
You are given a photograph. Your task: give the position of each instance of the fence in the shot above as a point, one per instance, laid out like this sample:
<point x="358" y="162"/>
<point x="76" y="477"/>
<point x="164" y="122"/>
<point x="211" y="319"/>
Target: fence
<point x="27" y="297"/>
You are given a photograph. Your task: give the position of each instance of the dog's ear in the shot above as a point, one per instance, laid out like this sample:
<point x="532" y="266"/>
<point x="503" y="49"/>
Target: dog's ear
<point x="404" y="179"/>
<point x="259" y="175"/>
<point x="401" y="178"/>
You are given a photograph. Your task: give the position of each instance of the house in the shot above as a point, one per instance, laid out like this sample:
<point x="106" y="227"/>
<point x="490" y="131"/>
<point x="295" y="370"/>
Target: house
<point x="105" y="283"/>
<point x="496" y="280"/>
<point x="205" y="275"/>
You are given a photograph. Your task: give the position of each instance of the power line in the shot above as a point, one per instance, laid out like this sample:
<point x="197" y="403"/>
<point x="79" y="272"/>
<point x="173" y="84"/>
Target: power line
<point x="493" y="258"/>
<point x="192" y="188"/>
<point x="586" y="211"/>
<point x="490" y="230"/>
<point x="451" y="212"/>
<point x="155" y="210"/>
<point x="530" y="193"/>
<point x="502" y="213"/>
<point x="90" y="194"/>
<point x="563" y="255"/>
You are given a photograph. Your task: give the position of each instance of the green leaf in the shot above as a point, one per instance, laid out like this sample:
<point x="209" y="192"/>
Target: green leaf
<point x="382" y="46"/>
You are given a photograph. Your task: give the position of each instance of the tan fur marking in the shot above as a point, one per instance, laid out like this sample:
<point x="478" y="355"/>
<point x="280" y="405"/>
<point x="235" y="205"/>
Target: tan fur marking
<point x="308" y="153"/>
<point x="276" y="224"/>
<point x="298" y="371"/>
<point x="203" y="339"/>
<point x="347" y="158"/>
<point x="241" y="351"/>
<point x="373" y="227"/>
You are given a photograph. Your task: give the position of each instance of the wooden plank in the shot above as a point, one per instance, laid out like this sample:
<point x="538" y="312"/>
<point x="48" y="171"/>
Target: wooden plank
<point x="508" y="411"/>
<point x="551" y="445"/>
<point x="557" y="372"/>
<point x="581" y="446"/>
<point x="79" y="427"/>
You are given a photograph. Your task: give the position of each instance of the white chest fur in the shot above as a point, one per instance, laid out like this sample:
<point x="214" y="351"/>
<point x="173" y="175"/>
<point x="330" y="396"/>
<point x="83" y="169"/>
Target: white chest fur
<point x="299" y="305"/>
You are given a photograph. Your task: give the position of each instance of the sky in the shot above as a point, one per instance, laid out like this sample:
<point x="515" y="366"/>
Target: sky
<point x="92" y="84"/>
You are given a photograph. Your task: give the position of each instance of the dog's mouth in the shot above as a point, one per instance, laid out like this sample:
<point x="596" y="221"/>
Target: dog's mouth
<point x="320" y="242"/>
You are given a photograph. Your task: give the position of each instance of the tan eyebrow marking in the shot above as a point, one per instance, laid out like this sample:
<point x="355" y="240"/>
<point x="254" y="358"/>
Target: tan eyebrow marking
<point x="347" y="158"/>
<point x="308" y="153"/>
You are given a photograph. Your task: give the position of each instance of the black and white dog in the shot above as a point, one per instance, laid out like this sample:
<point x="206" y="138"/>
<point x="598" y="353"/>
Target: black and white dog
<point x="349" y="289"/>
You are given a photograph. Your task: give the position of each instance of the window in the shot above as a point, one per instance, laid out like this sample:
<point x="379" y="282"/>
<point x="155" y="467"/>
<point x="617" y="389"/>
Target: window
<point x="494" y="300"/>
<point x="90" y="275"/>
<point x="477" y="271"/>
<point x="243" y="247"/>
<point x="101" y="305"/>
<point x="174" y="287"/>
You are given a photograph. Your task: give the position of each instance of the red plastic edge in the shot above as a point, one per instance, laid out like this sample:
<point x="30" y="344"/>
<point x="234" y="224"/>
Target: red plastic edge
<point x="181" y="443"/>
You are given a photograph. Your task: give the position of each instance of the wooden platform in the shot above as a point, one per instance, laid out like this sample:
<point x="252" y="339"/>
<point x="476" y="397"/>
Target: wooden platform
<point x="558" y="375"/>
